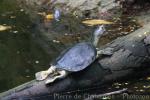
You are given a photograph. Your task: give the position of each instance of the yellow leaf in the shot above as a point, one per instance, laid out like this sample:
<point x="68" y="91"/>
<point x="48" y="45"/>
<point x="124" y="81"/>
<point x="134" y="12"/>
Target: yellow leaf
<point x="96" y="22"/>
<point x="3" y="28"/>
<point x="49" y="16"/>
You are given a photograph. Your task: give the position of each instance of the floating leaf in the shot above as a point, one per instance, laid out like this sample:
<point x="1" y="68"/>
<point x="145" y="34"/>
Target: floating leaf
<point x="49" y="16"/>
<point x="3" y="28"/>
<point x="148" y="78"/>
<point x="96" y="22"/>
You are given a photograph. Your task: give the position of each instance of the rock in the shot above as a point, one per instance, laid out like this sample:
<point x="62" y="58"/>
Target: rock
<point x="69" y="6"/>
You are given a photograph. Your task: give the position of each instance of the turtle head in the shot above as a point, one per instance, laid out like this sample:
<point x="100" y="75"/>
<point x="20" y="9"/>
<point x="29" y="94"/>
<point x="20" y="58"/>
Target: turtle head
<point x="98" y="33"/>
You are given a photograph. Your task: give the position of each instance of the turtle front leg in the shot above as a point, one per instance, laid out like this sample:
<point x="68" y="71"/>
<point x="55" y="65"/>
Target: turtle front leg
<point x="107" y="51"/>
<point x="62" y="73"/>
<point x="44" y="74"/>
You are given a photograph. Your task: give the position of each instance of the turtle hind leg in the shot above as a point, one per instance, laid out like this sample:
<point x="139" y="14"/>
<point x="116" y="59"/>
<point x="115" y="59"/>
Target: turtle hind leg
<point x="41" y="75"/>
<point x="44" y="74"/>
<point x="62" y="74"/>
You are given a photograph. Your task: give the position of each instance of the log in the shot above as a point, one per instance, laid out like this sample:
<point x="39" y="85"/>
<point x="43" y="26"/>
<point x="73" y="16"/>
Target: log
<point x="130" y="57"/>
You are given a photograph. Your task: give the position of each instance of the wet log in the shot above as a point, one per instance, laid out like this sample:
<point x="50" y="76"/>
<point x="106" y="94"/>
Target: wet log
<point x="130" y="57"/>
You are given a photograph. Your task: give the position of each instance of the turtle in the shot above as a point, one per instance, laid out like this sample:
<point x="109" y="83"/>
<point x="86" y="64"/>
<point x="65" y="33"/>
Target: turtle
<point x="75" y="59"/>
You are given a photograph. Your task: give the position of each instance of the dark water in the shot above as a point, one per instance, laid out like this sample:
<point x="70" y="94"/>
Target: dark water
<point x="21" y="56"/>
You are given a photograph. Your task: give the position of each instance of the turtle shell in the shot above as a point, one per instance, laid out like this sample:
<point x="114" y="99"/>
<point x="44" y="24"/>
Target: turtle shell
<point x="77" y="58"/>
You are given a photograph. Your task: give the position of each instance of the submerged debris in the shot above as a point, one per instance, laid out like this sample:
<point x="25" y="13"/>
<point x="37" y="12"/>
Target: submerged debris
<point x="148" y="78"/>
<point x="15" y="32"/>
<point x="41" y="13"/>
<point x="21" y="10"/>
<point x="12" y="17"/>
<point x="36" y="61"/>
<point x="3" y="27"/>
